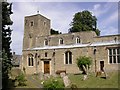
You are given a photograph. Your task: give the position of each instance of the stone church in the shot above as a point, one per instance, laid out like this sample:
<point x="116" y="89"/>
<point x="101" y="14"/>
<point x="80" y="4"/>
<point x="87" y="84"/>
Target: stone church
<point x="46" y="53"/>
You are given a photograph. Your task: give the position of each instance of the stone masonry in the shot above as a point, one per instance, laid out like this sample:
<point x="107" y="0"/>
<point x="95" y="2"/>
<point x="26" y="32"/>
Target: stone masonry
<point x="53" y="56"/>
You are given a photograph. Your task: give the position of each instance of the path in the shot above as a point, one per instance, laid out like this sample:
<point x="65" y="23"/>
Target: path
<point x="34" y="82"/>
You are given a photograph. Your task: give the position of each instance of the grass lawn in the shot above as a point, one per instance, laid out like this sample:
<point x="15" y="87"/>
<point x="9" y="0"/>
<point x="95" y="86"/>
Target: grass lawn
<point x="33" y="81"/>
<point x="95" y="82"/>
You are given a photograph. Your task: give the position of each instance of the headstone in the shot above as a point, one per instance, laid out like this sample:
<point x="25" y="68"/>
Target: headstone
<point x="85" y="77"/>
<point x="66" y="81"/>
<point x="62" y="74"/>
<point x="16" y="83"/>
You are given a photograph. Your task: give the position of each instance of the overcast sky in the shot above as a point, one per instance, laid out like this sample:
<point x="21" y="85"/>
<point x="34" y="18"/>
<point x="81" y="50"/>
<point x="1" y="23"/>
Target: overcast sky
<point x="61" y="15"/>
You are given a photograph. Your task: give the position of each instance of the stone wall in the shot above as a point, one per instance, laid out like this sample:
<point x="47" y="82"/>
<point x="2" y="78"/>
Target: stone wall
<point x="59" y="59"/>
<point x="68" y="39"/>
<point x="35" y="35"/>
<point x="40" y="27"/>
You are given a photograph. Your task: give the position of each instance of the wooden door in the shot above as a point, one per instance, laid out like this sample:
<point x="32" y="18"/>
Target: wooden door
<point x="102" y="65"/>
<point x="46" y="67"/>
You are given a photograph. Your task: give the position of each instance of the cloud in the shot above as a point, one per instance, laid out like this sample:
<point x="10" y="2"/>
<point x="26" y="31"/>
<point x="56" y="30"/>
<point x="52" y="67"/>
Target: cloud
<point x="97" y="10"/>
<point x="104" y="8"/>
<point x="16" y="44"/>
<point x="107" y="15"/>
<point x="19" y="11"/>
<point x="97" y="6"/>
<point x="63" y="0"/>
<point x="60" y="14"/>
<point x="60" y="20"/>
<point x="109" y="31"/>
<point x="111" y="19"/>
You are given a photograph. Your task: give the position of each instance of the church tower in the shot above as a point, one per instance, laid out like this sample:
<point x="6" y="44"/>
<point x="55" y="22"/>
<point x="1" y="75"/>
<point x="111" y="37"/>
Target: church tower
<point x="34" y="26"/>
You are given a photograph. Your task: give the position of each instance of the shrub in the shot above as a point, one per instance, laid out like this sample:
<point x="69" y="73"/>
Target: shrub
<point x="21" y="79"/>
<point x="53" y="84"/>
<point x="84" y="63"/>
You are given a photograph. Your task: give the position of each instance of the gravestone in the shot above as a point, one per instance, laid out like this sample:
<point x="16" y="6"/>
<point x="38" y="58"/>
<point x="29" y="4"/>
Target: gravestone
<point x="66" y="81"/>
<point x="62" y="74"/>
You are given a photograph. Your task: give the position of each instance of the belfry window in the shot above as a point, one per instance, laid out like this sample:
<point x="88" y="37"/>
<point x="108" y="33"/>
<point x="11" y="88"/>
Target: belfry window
<point x="31" y="23"/>
<point x="44" y="23"/>
<point x="60" y="41"/>
<point x="30" y="60"/>
<point x="68" y="57"/>
<point x="77" y="40"/>
<point x="114" y="55"/>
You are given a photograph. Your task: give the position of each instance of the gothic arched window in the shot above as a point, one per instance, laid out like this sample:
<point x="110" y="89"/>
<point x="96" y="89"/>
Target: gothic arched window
<point x="46" y="42"/>
<point x="60" y="41"/>
<point x="77" y="40"/>
<point x="30" y="60"/>
<point x="68" y="57"/>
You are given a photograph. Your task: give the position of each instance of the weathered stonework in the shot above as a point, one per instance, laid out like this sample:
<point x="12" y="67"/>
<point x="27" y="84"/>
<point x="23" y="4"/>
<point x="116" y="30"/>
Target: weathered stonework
<point x="34" y="40"/>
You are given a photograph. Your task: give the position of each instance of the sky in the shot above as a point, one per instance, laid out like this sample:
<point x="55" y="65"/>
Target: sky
<point x="61" y="15"/>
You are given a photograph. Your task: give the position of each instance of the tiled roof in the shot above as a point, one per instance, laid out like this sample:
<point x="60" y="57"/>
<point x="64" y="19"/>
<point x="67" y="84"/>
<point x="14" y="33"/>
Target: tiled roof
<point x="105" y="43"/>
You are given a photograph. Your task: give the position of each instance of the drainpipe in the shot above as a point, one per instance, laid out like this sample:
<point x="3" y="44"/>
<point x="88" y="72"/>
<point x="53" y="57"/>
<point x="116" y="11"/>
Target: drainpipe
<point x="36" y="62"/>
<point x="54" y="59"/>
<point x="95" y="58"/>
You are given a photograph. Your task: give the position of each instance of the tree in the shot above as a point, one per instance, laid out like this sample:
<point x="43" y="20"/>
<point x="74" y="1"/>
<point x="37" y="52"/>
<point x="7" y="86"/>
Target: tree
<point x="6" y="41"/>
<point x="52" y="31"/>
<point x="84" y="21"/>
<point x="84" y="63"/>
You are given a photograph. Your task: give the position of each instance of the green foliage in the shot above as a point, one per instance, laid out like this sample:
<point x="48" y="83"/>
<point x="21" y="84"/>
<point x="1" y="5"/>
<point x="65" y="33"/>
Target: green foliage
<point x="21" y="80"/>
<point x="6" y="41"/>
<point x="84" y="21"/>
<point x="6" y="31"/>
<point x="6" y="66"/>
<point x="6" y="12"/>
<point x="53" y="84"/>
<point x="54" y="32"/>
<point x="83" y="61"/>
<point x="97" y="31"/>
